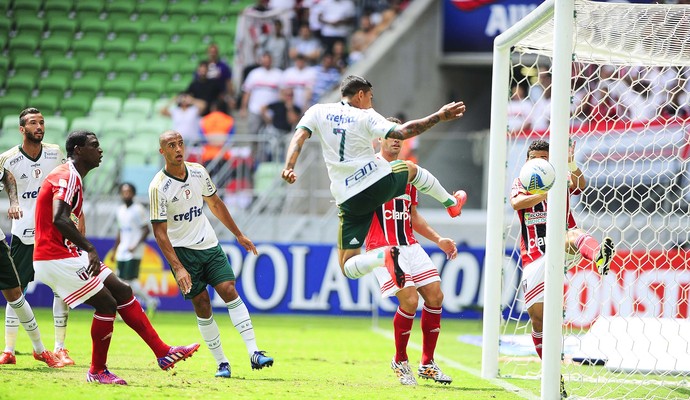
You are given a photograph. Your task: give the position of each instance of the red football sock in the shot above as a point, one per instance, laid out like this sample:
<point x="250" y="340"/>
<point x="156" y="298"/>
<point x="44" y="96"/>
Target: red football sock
<point x="587" y="246"/>
<point x="431" y="327"/>
<point x="101" y="333"/>
<point x="135" y="318"/>
<point x="402" y="325"/>
<point x="536" y="338"/>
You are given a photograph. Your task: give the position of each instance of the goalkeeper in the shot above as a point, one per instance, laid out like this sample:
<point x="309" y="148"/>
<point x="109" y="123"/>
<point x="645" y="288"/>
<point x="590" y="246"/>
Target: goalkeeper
<point x="531" y="209"/>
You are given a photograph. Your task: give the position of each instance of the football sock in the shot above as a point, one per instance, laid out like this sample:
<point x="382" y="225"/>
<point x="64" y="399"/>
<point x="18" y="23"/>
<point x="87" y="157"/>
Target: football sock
<point x="587" y="246"/>
<point x="60" y="315"/>
<point x="360" y="265"/>
<point x="101" y="334"/>
<point x="243" y="323"/>
<point x="28" y="321"/>
<point x="402" y="326"/>
<point x="136" y="319"/>
<point x="431" y="327"/>
<point x="426" y="183"/>
<point x="211" y="335"/>
<point x="536" y="338"/>
<point x="11" y="328"/>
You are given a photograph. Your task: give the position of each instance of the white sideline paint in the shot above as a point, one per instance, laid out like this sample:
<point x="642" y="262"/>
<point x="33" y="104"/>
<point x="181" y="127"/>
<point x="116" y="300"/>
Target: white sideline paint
<point x="525" y="394"/>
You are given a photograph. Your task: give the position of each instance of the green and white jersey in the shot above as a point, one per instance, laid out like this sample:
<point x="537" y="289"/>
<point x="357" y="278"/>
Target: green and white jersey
<point x="180" y="203"/>
<point x="29" y="174"/>
<point x="346" y="134"/>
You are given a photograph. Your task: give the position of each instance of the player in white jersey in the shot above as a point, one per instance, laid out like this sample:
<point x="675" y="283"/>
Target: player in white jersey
<point x="30" y="162"/>
<point x="177" y="195"/>
<point x="133" y="229"/>
<point x="360" y="182"/>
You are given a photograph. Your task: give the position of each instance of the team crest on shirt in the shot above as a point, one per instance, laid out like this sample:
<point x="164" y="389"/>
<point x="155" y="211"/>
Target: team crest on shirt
<point x="37" y="173"/>
<point x="187" y="194"/>
<point x="535" y="218"/>
<point x="83" y="274"/>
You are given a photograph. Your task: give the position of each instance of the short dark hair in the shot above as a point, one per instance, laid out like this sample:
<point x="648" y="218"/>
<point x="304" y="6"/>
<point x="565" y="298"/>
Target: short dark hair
<point x="538" y="145"/>
<point x="25" y="112"/>
<point x="131" y="186"/>
<point x="353" y="84"/>
<point x="76" y="138"/>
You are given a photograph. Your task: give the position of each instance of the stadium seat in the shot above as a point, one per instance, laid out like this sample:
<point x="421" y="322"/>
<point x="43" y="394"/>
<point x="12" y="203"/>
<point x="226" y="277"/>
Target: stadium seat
<point x="193" y="29"/>
<point x="56" y="127"/>
<point x="118" y="48"/>
<point x="184" y="47"/>
<point x="27" y="42"/>
<point x="10" y="123"/>
<point x="47" y="104"/>
<point x="12" y="104"/>
<point x="120" y="8"/>
<point x="163" y="28"/>
<point x="55" y="46"/>
<point x="151" y="8"/>
<point x="121" y="127"/>
<point x="30" y="25"/>
<point x="150" y="48"/>
<point x="174" y="88"/>
<point x="94" y="27"/>
<point x="127" y="29"/>
<point x="4" y="67"/>
<point x="139" y="175"/>
<point x="267" y="177"/>
<point x="87" y="85"/>
<point x="152" y="127"/>
<point x="236" y="7"/>
<point x="86" y="124"/>
<point x="152" y="88"/>
<point x="28" y="5"/>
<point x="136" y="107"/>
<point x="130" y="68"/>
<point x="28" y="65"/>
<point x="10" y="140"/>
<point x="138" y="157"/>
<point x="62" y="25"/>
<point x="58" y="5"/>
<point x="90" y="6"/>
<point x="75" y="106"/>
<point x="162" y="69"/>
<point x="211" y="8"/>
<point x="106" y="107"/>
<point x="87" y="47"/>
<point x="21" y="82"/>
<point x="159" y="104"/>
<point x="54" y="85"/>
<point x="118" y="87"/>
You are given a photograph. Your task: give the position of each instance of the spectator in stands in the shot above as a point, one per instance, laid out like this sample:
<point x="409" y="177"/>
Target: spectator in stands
<point x="543" y="81"/>
<point x="361" y="39"/>
<point x="340" y="56"/>
<point x="389" y="15"/>
<point x="185" y="111"/>
<point x="300" y="79"/>
<point x="260" y="88"/>
<point x="518" y="110"/>
<point x="203" y="88"/>
<point x="277" y="45"/>
<point x="280" y="117"/>
<point x="220" y="74"/>
<point x="314" y="7"/>
<point x="338" y="19"/>
<point x="327" y="77"/>
<point x="305" y="44"/>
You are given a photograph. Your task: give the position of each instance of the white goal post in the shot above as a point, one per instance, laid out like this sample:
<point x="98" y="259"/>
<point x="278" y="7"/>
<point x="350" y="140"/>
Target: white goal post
<point x="617" y="81"/>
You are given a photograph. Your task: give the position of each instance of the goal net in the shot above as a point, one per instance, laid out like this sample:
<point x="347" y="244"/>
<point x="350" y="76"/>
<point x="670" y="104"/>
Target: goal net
<point x="626" y="334"/>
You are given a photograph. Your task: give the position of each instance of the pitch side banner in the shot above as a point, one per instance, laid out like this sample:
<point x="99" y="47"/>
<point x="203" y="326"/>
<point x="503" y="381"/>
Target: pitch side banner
<point x="299" y="278"/>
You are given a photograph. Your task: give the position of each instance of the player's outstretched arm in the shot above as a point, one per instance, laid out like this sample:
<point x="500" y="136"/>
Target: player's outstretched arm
<point x="448" y="112"/>
<point x="160" y="232"/>
<point x="421" y="226"/>
<point x="14" y="211"/>
<point x="526" y="200"/>
<point x="294" y="150"/>
<point x="220" y="210"/>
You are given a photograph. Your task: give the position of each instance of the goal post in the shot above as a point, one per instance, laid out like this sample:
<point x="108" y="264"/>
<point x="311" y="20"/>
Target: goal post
<point x="614" y="78"/>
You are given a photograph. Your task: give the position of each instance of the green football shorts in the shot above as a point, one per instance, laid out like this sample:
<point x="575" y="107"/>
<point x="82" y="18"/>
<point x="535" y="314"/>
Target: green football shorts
<point x="205" y="267"/>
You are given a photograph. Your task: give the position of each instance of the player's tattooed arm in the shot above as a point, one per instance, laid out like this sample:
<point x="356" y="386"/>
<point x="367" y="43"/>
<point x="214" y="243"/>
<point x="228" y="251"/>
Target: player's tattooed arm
<point x="448" y="112"/>
<point x="294" y="150"/>
<point x="14" y="211"/>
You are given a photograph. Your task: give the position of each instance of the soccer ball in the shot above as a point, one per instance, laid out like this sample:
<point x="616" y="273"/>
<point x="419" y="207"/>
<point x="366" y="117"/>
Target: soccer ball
<point x="537" y="176"/>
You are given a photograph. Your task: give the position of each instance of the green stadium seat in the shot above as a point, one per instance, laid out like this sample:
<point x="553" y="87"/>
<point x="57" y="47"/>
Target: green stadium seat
<point x="10" y="140"/>
<point x="211" y="8"/>
<point x="193" y="29"/>
<point x="5" y="23"/>
<point x="27" y="42"/>
<point x="185" y="8"/>
<point x="160" y="104"/>
<point x="62" y="24"/>
<point x="134" y="157"/>
<point x="151" y="89"/>
<point x="152" y="8"/>
<point x="28" y="65"/>
<point x="121" y="127"/>
<point x="228" y="28"/>
<point x="183" y="47"/>
<point x="55" y="46"/>
<point x="266" y="177"/>
<point x="162" y="69"/>
<point x="236" y="7"/>
<point x="53" y="83"/>
<point x="106" y="107"/>
<point x="136" y="107"/>
<point x="174" y="88"/>
<point x="87" y="124"/>
<point x="61" y="66"/>
<point x="47" y="104"/>
<point x="56" y="128"/>
<point x="87" y="47"/>
<point x="10" y="124"/>
<point x="129" y="67"/>
<point x="21" y="82"/>
<point x="90" y="6"/>
<point x="118" y="87"/>
<point x="12" y="104"/>
<point x="75" y="106"/>
<point x="151" y="128"/>
<point x="179" y="19"/>
<point x="140" y="176"/>
<point x="4" y="66"/>
<point x="87" y="86"/>
<point x="163" y="28"/>
<point x="120" y="47"/>
<point x="126" y="7"/>
<point x="58" y="5"/>
<point x="95" y="27"/>
<point x="30" y="25"/>
<point x="93" y="67"/>
<point x="29" y="5"/>
<point x="154" y="46"/>
<point x="127" y="29"/>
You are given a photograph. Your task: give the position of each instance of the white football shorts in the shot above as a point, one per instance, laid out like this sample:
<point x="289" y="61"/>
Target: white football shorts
<point x="533" y="278"/>
<point x="418" y="268"/>
<point x="69" y="278"/>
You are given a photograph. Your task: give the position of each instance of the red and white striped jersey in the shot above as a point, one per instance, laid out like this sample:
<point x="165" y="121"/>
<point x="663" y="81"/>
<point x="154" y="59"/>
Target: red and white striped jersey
<point x="63" y="183"/>
<point x="392" y="222"/>
<point x="533" y="226"/>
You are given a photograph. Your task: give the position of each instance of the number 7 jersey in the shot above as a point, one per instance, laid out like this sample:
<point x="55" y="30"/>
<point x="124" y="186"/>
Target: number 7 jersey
<point x="346" y="134"/>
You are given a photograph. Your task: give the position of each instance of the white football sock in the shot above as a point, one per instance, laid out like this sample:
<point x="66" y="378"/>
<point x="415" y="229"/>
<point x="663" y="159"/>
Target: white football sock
<point x="211" y="335"/>
<point x="360" y="265"/>
<point x="28" y="321"/>
<point x="60" y="315"/>
<point x="426" y="183"/>
<point x="11" y="329"/>
<point x="239" y="315"/>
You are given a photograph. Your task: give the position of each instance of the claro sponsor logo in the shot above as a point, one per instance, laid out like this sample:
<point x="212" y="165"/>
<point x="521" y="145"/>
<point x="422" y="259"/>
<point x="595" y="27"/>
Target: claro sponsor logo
<point x="399" y="215"/>
<point x="536" y="242"/>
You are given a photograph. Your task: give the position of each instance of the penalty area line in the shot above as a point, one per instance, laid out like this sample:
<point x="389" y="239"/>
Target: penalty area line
<point x="525" y="394"/>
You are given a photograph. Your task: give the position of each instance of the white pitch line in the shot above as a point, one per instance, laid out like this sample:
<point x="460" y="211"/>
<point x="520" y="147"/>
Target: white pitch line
<point x="525" y="394"/>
